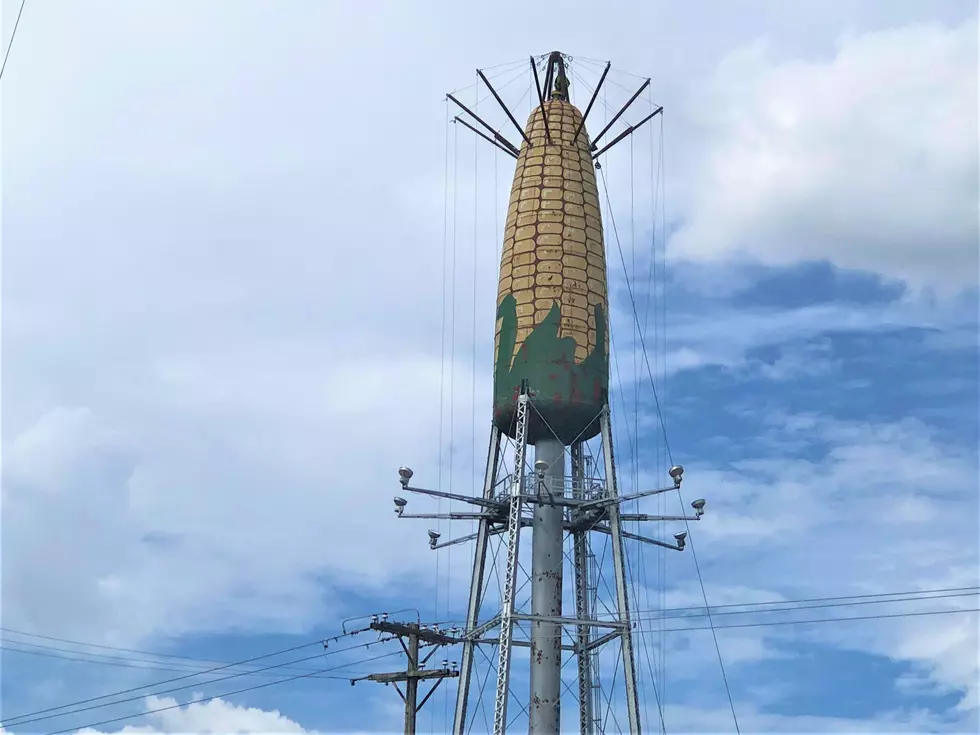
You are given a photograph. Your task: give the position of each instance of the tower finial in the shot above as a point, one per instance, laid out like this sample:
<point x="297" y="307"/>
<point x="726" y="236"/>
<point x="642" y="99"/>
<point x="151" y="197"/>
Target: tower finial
<point x="556" y="77"/>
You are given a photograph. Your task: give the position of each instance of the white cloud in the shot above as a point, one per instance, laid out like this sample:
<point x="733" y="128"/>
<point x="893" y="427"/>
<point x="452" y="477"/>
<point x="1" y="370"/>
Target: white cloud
<point x="725" y="337"/>
<point x="867" y="159"/>
<point x="211" y="716"/>
<point x="165" y="514"/>
<point x="860" y="515"/>
<point x="215" y="716"/>
<point x="695" y="719"/>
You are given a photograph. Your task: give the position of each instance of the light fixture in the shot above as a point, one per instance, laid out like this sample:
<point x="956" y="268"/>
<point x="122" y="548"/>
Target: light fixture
<point x="400" y="504"/>
<point x="433" y="538"/>
<point x="698" y="506"/>
<point x="681" y="539"/>
<point x="540" y="466"/>
<point x="404" y="475"/>
<point x="677" y="473"/>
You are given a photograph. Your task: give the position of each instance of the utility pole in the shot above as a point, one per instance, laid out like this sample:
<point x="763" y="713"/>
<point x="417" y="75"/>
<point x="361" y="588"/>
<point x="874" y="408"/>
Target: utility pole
<point x="410" y="635"/>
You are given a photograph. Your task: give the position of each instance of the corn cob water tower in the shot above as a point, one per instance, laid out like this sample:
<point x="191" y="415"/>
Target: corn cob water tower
<point x="551" y="396"/>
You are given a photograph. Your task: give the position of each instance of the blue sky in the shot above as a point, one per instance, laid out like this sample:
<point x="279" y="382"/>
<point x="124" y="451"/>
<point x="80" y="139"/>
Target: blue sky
<point x="223" y="332"/>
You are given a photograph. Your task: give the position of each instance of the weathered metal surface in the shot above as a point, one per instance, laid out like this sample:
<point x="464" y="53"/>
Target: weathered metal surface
<point x="552" y="305"/>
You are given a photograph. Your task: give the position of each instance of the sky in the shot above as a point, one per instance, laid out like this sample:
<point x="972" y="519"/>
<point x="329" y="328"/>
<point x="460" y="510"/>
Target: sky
<point x="243" y="281"/>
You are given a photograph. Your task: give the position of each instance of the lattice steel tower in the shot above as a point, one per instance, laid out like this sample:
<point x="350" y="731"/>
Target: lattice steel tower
<point x="551" y="392"/>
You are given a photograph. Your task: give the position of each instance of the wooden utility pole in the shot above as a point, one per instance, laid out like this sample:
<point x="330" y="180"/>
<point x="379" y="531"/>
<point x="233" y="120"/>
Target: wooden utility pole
<point x="415" y="672"/>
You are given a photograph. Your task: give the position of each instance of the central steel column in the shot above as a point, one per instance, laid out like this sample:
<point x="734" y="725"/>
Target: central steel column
<point x="546" y="574"/>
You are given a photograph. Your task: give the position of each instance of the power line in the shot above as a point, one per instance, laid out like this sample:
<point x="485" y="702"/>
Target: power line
<point x="707" y="607"/>
<point x="882" y="616"/>
<point x="194" y="662"/>
<point x="836" y="601"/>
<point x="918" y="598"/>
<point x="636" y="317"/>
<point x="8" y="721"/>
<point x="104" y="647"/>
<point x="328" y="670"/>
<point x="205" y="700"/>
<point x="663" y="425"/>
<point x="22" y="721"/>
<point x="12" y="35"/>
<point x="129" y="663"/>
<point x="871" y="597"/>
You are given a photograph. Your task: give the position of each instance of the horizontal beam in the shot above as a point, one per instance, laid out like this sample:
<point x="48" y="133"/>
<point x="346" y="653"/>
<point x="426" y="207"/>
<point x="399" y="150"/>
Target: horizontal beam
<point x="409" y="629"/>
<point x="647" y="517"/>
<point x="527" y="644"/>
<point x="407" y="676"/>
<point x="568" y="621"/>
<point x="561" y="500"/>
<point x="455" y="516"/>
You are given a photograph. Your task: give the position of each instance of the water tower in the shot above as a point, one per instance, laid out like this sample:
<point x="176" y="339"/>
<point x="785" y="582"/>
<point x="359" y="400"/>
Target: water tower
<point x="550" y="395"/>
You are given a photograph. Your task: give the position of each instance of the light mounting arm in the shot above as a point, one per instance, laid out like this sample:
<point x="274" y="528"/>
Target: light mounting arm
<point x="493" y="504"/>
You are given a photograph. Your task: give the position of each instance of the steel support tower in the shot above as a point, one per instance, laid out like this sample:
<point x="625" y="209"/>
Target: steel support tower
<point x="550" y="395"/>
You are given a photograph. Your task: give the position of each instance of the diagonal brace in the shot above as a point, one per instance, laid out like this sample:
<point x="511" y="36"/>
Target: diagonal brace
<point x="620" y="113"/>
<point x="497" y="136"/>
<point x="628" y="131"/>
<point x="595" y="95"/>
<point x="506" y="109"/>
<point x="607" y="502"/>
<point x="544" y="112"/>
<point x="637" y="537"/>
<point x="484" y="502"/>
<point x="486" y="137"/>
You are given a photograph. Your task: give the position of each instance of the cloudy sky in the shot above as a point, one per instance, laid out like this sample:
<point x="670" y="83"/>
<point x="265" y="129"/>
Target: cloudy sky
<point x="238" y="293"/>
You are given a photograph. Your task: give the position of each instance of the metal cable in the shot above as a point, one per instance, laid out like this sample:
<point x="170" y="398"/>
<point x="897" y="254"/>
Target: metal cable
<point x="204" y="700"/>
<point x="663" y="424"/>
<point x="32" y="716"/>
<point x="13" y="34"/>
<point x="802" y="604"/>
